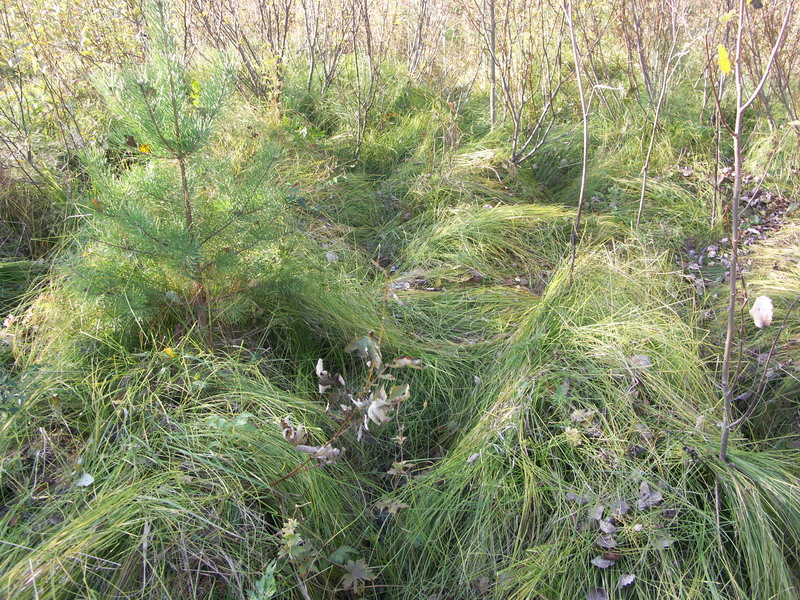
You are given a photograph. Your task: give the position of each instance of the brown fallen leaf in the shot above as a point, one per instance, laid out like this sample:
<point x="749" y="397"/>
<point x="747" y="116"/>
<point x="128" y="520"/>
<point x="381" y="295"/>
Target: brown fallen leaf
<point x="597" y="593"/>
<point x="602" y="563"/>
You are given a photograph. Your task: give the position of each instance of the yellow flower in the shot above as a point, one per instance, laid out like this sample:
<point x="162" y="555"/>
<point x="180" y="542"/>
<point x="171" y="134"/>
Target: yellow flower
<point x="723" y="59"/>
<point x="144" y="148"/>
<point x="170" y="352"/>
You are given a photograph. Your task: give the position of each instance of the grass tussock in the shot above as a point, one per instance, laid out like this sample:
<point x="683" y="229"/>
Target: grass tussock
<point x="596" y="399"/>
<point x="182" y="451"/>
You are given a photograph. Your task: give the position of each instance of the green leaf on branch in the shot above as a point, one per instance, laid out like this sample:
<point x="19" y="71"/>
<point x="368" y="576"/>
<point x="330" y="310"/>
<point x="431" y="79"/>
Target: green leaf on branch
<point x="367" y="348"/>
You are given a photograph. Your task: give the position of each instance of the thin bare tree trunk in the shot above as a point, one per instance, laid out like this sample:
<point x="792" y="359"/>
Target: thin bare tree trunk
<point x="741" y="107"/>
<point x="492" y="65"/>
<point x="585" y="114"/>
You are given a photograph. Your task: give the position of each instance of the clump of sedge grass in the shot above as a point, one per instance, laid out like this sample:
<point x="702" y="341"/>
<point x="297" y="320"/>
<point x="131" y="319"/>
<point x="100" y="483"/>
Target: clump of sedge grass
<point x="600" y="396"/>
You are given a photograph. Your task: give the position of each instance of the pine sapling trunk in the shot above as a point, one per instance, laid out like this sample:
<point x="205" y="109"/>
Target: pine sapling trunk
<point x="200" y="300"/>
<point x="187" y="201"/>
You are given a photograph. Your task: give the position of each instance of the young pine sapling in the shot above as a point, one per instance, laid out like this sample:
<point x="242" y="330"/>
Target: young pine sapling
<point x="176" y="229"/>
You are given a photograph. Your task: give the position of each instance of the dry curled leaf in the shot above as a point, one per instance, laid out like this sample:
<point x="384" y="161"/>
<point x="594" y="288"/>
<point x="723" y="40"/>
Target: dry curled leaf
<point x="607" y="542"/>
<point x="619" y="508"/>
<point x="326" y="380"/>
<point x="293" y="435"/>
<point x="700" y="422"/>
<point x="573" y="497"/>
<point x="400" y="439"/>
<point x="574" y="436"/>
<point x="602" y="563"/>
<point x="325" y="455"/>
<point x="606" y="526"/>
<point x="405" y="361"/>
<point x="582" y="415"/>
<point x="378" y="409"/>
<point x="399" y="393"/>
<point x="641" y="361"/>
<point x="84" y="480"/>
<point x="377" y="406"/>
<point x="597" y="593"/>
<point x="648" y="497"/>
<point x="626" y="579"/>
<point x="398" y="468"/>
<point x="378" y="412"/>
<point x="663" y="543"/>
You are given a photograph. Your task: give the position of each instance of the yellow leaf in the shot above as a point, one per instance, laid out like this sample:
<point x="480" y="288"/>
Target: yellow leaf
<point x="728" y="16"/>
<point x="194" y="95"/>
<point x="723" y="59"/>
<point x="144" y="148"/>
<point x="170" y="352"/>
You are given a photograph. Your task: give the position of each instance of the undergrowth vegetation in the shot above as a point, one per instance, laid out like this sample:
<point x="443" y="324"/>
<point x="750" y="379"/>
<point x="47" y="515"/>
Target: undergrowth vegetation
<point x="308" y="327"/>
